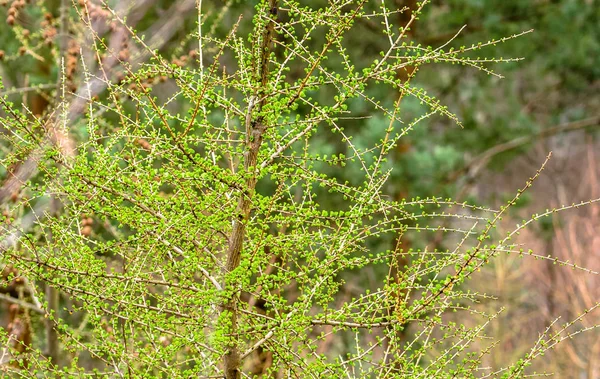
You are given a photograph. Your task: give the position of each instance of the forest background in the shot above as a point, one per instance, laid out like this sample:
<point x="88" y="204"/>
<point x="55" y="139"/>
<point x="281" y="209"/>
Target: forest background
<point x="495" y="130"/>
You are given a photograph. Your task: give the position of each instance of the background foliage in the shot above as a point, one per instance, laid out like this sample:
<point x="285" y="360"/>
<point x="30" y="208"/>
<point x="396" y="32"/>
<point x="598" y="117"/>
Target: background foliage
<point x="299" y="189"/>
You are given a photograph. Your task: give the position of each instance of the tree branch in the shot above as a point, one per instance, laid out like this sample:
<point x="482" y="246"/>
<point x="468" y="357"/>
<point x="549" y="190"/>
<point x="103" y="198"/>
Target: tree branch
<point x="475" y="165"/>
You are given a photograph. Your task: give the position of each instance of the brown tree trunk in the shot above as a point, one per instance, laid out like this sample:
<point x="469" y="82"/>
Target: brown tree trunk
<point x="255" y="129"/>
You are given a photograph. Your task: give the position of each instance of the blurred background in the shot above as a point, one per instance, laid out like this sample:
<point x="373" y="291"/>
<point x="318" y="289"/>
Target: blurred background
<point x="547" y="102"/>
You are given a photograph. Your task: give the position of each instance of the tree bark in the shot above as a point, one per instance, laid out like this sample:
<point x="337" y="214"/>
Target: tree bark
<point x="255" y="128"/>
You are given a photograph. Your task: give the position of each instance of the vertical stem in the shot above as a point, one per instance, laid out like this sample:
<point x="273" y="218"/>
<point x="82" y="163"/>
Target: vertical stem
<point x="255" y="129"/>
<point x="401" y="261"/>
<point x="52" y="299"/>
<point x="52" y="295"/>
<point x="232" y="358"/>
<point x="51" y="334"/>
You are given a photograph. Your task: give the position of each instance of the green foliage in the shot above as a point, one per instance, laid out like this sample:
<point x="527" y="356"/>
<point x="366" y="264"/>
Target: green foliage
<point x="214" y="209"/>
